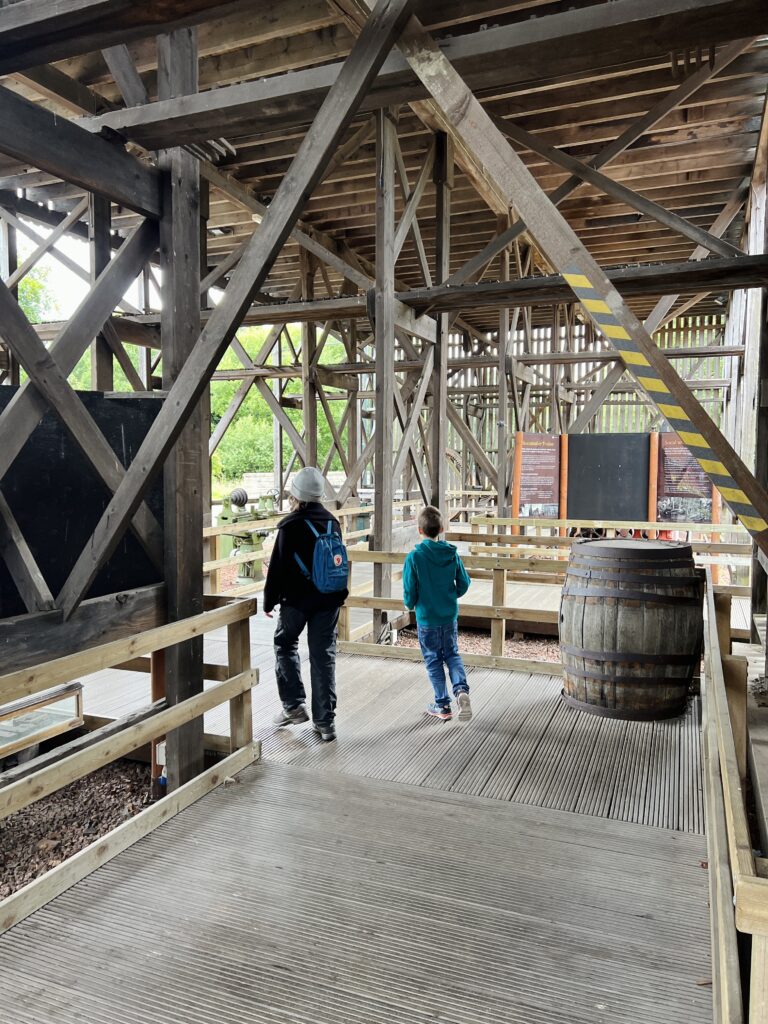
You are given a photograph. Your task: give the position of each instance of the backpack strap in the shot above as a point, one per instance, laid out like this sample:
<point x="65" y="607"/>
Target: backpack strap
<point x="316" y="532"/>
<point x="329" y="529"/>
<point x="301" y="565"/>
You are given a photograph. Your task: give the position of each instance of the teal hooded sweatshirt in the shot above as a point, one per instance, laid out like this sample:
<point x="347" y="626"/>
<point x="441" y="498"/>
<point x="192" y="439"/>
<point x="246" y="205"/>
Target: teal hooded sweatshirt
<point x="434" y="578"/>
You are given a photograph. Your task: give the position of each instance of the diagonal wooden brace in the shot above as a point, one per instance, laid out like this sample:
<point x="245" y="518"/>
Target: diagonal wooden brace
<point x="481" y="146"/>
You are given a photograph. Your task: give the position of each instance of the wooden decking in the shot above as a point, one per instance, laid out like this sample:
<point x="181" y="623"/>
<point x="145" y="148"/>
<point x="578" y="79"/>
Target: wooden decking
<point x="535" y="864"/>
<point x="321" y="898"/>
<point x="524" y="745"/>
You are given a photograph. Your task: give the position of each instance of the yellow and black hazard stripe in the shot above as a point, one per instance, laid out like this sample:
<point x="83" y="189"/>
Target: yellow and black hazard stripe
<point x="657" y="390"/>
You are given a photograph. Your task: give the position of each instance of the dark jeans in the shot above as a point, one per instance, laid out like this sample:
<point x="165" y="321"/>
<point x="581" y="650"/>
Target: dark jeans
<point x="440" y="647"/>
<point x="321" y="637"/>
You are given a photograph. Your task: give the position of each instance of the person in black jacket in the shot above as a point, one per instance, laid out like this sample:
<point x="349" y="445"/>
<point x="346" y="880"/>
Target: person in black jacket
<point x="302" y="604"/>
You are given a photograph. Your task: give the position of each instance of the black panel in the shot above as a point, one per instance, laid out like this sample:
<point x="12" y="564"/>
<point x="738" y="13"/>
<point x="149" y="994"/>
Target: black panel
<point x="57" y="498"/>
<point x="608" y="476"/>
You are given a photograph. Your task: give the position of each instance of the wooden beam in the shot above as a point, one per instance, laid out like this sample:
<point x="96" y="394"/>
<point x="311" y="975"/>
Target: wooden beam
<point x="51" y="383"/>
<point x="406" y="445"/>
<point x="26" y="640"/>
<point x="720" y="226"/>
<point x="21" y="563"/>
<point x="316" y="149"/>
<point x="384" y="341"/>
<point x="443" y="177"/>
<point x="498" y="56"/>
<point x="38" y="138"/>
<point x="111" y="337"/>
<point x="123" y="70"/>
<point x="632" y="282"/>
<point x="628" y="137"/>
<point x="599" y="395"/>
<point x="100" y="223"/>
<point x="22" y="415"/>
<point x="616" y="190"/>
<point x="182" y="475"/>
<point x="482" y="145"/>
<point x="47" y="243"/>
<point x="408" y="221"/>
<point x="464" y="432"/>
<point x="53" y="83"/>
<point x="39" y="31"/>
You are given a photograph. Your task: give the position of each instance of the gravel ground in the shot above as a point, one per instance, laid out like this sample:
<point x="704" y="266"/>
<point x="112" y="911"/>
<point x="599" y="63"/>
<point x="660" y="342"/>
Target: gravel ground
<point x="475" y="641"/>
<point x="42" y="835"/>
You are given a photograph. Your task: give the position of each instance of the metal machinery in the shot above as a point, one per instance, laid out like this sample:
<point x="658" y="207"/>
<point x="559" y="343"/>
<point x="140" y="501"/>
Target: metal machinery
<point x="237" y="511"/>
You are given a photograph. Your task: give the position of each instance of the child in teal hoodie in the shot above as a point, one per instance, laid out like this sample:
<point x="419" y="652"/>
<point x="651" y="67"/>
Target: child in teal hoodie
<point x="434" y="578"/>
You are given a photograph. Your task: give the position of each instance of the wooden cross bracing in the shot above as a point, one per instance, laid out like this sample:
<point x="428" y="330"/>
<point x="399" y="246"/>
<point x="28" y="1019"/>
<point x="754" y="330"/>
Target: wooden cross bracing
<point x="481" y="147"/>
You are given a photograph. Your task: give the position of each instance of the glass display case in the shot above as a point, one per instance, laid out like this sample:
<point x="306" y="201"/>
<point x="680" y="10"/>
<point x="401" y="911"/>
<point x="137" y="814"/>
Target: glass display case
<point x="34" y="719"/>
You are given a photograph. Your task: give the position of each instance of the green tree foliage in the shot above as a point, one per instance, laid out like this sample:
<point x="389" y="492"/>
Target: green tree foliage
<point x="247" y="446"/>
<point x="35" y="296"/>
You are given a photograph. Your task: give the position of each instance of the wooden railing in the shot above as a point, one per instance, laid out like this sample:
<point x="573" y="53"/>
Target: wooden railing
<point x="497" y="613"/>
<point x="738" y="886"/>
<point x="460" y="504"/>
<point x="43" y="776"/>
<point x="541" y="538"/>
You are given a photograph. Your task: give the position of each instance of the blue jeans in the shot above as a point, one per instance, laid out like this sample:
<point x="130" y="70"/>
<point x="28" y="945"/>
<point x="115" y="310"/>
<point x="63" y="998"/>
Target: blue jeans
<point x="440" y="647"/>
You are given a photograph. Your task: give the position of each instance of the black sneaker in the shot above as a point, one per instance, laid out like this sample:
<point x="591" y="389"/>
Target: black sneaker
<point x="325" y="732"/>
<point x="294" y="716"/>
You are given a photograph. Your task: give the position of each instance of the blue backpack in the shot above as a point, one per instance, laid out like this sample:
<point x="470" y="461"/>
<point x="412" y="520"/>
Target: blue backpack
<point x="330" y="565"/>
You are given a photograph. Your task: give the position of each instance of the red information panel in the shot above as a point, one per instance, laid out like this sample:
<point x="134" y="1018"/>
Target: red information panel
<point x="680" y="475"/>
<point x="540" y="476"/>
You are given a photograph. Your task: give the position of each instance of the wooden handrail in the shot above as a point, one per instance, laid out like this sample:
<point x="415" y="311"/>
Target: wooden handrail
<point x="31" y="680"/>
<point x="48" y="780"/>
<point x="470" y="611"/>
<point x="606" y="524"/>
<point x="560" y="543"/>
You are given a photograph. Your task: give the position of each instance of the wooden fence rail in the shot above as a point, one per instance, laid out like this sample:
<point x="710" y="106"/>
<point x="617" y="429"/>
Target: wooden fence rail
<point x="46" y="775"/>
<point x="738" y="886"/>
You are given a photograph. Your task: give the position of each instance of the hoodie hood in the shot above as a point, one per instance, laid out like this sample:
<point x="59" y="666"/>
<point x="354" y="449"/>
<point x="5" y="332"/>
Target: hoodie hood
<point x="439" y="553"/>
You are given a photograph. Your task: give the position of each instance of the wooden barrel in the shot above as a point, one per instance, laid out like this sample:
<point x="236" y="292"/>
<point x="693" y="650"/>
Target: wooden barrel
<point x="631" y="616"/>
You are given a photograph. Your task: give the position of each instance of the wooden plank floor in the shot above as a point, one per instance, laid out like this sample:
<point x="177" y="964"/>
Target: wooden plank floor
<point x="522" y="745"/>
<point x="317" y="898"/>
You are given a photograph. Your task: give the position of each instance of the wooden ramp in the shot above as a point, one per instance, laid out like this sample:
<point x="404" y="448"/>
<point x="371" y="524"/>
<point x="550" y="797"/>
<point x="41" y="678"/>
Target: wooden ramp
<point x="318" y="898"/>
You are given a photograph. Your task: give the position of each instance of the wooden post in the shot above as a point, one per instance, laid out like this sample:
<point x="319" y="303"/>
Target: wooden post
<point x="384" y="330"/>
<point x="758" y="981"/>
<point x="717" y="511"/>
<point x="240" y="707"/>
<point x="502" y="431"/>
<point x="653" y="481"/>
<point x="157" y="692"/>
<point x="735" y="676"/>
<point x="102" y="364"/>
<point x="723" y="616"/>
<point x="9" y="260"/>
<point x="498" y="600"/>
<point x="180" y="327"/>
<point x="517" y="473"/>
<point x="442" y="175"/>
<point x="308" y="267"/>
<point x="345" y="617"/>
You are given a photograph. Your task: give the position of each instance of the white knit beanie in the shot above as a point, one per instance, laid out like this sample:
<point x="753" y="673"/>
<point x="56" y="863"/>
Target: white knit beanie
<point x="308" y="484"/>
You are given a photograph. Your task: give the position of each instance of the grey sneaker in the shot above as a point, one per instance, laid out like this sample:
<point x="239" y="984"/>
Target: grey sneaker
<point x="325" y="732"/>
<point x="465" y="708"/>
<point x="293" y="717"/>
